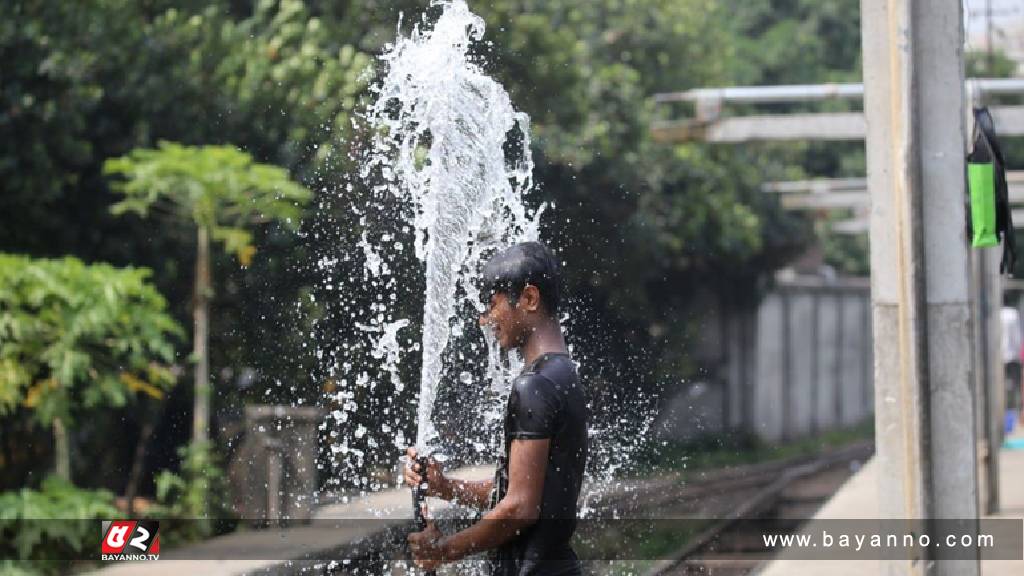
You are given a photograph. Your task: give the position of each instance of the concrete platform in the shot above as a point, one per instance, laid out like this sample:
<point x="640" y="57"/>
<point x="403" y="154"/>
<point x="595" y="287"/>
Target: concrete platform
<point x="858" y="498"/>
<point x="288" y="546"/>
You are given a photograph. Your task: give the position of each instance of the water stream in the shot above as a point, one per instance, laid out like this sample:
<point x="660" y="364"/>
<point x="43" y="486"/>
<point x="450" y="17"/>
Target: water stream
<point x="447" y="166"/>
<point x="445" y="129"/>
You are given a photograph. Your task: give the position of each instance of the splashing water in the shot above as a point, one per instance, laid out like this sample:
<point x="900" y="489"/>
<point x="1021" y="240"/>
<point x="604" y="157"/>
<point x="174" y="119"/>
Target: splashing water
<point x="450" y="151"/>
<point x="442" y="129"/>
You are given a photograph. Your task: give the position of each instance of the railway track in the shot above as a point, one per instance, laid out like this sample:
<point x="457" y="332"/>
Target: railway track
<point x="777" y="498"/>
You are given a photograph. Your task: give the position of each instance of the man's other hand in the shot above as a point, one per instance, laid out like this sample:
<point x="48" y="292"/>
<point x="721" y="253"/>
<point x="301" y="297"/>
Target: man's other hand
<point x="426" y="547"/>
<point x="414" y="474"/>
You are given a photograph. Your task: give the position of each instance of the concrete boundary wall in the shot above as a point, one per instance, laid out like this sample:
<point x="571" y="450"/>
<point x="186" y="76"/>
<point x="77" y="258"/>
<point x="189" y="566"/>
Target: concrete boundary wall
<point x="797" y="365"/>
<point x="808" y="366"/>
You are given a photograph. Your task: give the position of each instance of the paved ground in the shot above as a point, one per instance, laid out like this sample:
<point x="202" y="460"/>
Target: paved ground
<point x="288" y="543"/>
<point x="859" y="499"/>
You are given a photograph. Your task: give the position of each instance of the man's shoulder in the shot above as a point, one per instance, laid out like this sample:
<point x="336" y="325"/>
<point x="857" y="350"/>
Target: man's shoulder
<point x="533" y="383"/>
<point x="553" y="378"/>
<point x="556" y="368"/>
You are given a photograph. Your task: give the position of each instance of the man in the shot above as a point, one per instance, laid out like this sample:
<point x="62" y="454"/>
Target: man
<point x="537" y="484"/>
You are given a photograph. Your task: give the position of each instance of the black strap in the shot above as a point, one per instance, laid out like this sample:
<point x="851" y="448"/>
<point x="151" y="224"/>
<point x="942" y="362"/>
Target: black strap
<point x="984" y="128"/>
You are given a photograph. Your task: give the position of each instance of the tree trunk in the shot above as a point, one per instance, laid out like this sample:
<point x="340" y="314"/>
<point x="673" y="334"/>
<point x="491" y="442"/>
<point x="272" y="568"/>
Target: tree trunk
<point x="150" y="415"/>
<point x="61" y="451"/>
<point x="200" y="338"/>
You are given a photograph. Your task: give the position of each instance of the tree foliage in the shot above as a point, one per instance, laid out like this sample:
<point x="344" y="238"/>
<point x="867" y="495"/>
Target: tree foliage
<point x="184" y="498"/>
<point x="76" y="337"/>
<point x="220" y="193"/>
<point x="641" y="225"/>
<point x="218" y="188"/>
<point x="57" y="521"/>
<point x="85" y="81"/>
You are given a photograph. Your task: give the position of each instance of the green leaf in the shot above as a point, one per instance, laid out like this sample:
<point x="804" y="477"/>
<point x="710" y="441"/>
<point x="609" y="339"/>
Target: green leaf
<point x="71" y="330"/>
<point x="219" y="188"/>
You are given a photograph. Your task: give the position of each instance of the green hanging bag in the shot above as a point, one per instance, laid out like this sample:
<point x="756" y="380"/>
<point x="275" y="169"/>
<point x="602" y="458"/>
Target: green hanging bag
<point x="981" y="178"/>
<point x="990" y="221"/>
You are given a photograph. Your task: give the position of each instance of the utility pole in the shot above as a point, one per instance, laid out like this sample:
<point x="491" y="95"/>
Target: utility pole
<point x="988" y="292"/>
<point x="989" y="56"/>
<point x="924" y="408"/>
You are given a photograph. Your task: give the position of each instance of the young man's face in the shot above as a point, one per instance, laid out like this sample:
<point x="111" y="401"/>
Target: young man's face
<point x="508" y="322"/>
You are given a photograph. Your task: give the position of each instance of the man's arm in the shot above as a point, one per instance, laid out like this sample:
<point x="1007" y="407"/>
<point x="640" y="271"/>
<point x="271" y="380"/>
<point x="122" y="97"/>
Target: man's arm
<point x="534" y="408"/>
<point x="468" y="492"/>
<point x="517" y="510"/>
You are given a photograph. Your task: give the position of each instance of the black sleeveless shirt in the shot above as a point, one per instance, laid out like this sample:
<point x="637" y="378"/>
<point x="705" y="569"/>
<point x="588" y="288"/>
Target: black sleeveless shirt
<point x="546" y="401"/>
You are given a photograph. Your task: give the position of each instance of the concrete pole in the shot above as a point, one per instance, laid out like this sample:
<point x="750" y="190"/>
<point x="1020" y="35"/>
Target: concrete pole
<point x="924" y="397"/>
<point x="988" y="326"/>
<point x="987" y="294"/>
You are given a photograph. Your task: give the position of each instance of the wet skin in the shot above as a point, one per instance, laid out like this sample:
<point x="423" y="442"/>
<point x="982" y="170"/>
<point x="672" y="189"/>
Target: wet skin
<point x="506" y="321"/>
<point x="525" y="325"/>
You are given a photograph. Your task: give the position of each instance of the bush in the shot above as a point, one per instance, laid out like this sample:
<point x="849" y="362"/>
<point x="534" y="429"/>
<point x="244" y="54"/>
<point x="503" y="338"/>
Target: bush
<point x="190" y="504"/>
<point x="58" y="521"/>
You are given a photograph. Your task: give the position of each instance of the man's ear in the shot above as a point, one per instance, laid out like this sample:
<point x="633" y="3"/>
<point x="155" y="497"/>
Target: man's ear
<point x="529" y="299"/>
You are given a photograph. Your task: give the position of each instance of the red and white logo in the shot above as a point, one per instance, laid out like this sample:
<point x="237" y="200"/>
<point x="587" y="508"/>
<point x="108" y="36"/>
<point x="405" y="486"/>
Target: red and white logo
<point x="130" y="540"/>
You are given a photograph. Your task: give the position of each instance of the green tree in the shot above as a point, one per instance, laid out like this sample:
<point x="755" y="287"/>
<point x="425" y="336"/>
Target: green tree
<point x="90" y="80"/>
<point x="85" y="81"/>
<point x="221" y="193"/>
<point x="77" y="337"/>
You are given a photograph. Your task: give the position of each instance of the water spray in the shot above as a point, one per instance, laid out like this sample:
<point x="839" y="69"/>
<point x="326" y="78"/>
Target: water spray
<point x="448" y="147"/>
<point x="442" y="127"/>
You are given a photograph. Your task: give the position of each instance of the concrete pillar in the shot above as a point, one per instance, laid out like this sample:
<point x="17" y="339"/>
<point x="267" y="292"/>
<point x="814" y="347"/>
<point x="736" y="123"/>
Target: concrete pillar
<point x="275" y="490"/>
<point x="273" y="472"/>
<point x="924" y="400"/>
<point x="991" y="388"/>
<point x="987" y="294"/>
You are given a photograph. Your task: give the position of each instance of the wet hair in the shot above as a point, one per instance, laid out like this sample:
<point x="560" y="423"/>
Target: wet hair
<point x="510" y="270"/>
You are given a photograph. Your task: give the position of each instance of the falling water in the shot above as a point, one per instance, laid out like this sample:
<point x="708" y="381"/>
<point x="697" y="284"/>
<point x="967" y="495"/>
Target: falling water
<point x="442" y="127"/>
<point x="446" y="167"/>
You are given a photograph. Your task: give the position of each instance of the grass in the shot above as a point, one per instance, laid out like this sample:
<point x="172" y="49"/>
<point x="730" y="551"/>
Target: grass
<point x="723" y="451"/>
<point x="639" y="538"/>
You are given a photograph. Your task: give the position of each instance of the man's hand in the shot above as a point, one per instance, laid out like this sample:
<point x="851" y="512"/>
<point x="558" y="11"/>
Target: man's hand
<point x="426" y="547"/>
<point x="435" y="479"/>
